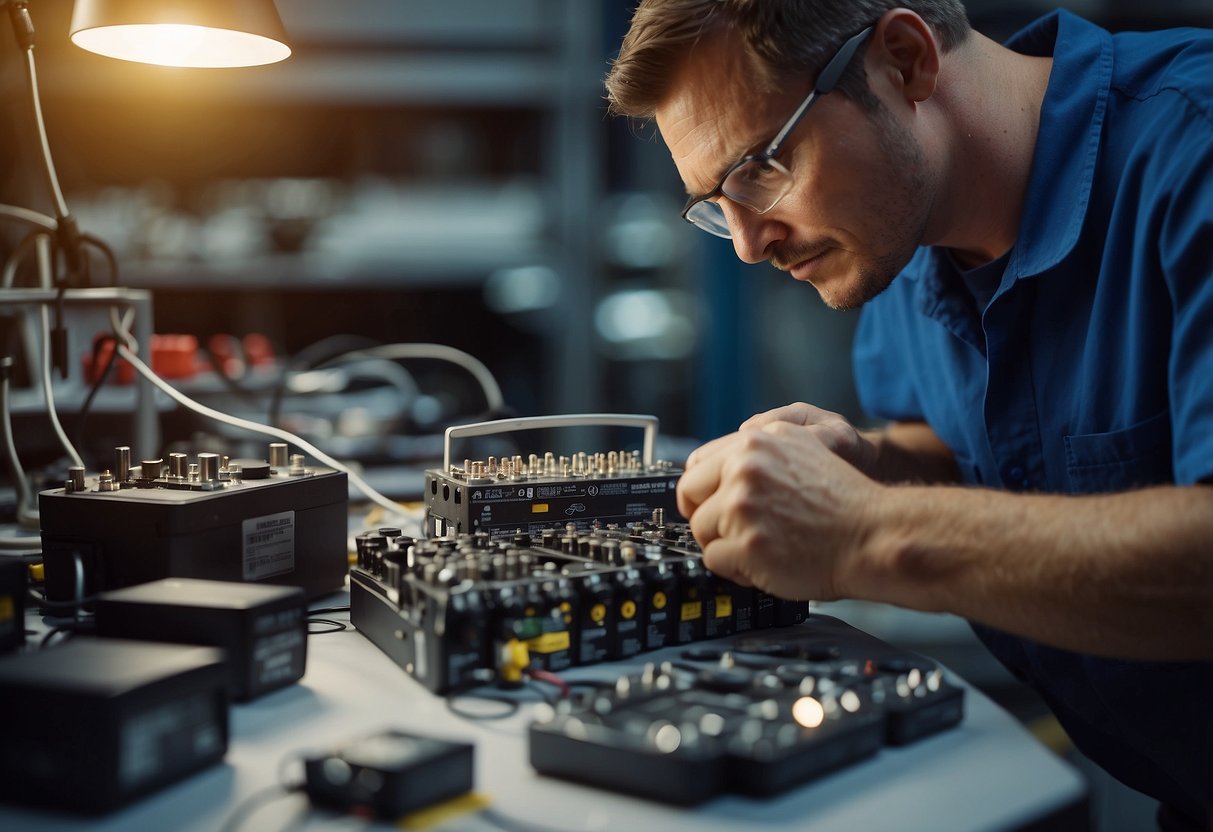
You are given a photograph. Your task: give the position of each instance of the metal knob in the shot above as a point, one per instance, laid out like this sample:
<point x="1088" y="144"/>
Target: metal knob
<point x="122" y="463"/>
<point x="208" y="467"/>
<point x="150" y="469"/>
<point x="178" y="465"/>
<point x="278" y="455"/>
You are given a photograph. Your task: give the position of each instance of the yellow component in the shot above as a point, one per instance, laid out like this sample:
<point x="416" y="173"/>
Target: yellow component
<point x="540" y="508"/>
<point x="515" y="658"/>
<point x="692" y="610"/>
<point x="628" y="610"/>
<point x="724" y="606"/>
<point x="37" y="572"/>
<point x="549" y="642"/>
<point x="659" y="600"/>
<point x="440" y="813"/>
<point x="7" y="608"/>
<point x="598" y="613"/>
<point x="1050" y="733"/>
<point x="565" y="606"/>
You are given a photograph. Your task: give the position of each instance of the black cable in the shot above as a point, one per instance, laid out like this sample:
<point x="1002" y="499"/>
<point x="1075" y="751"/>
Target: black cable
<point x="110" y="259"/>
<point x="69" y="629"/>
<point x="512" y="706"/>
<point x="334" y="626"/>
<point x="43" y="601"/>
<point x="228" y="381"/>
<point x="324" y="610"/>
<point x="98" y="382"/>
<point x="310" y="356"/>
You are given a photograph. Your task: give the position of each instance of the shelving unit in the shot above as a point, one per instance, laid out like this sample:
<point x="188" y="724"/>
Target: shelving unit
<point x="448" y="140"/>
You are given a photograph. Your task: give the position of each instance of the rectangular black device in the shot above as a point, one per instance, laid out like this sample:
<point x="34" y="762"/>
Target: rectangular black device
<point x="391" y="774"/>
<point x="458" y="503"/>
<point x="756" y="714"/>
<point x="261" y="628"/>
<point x="95" y="724"/>
<point x="282" y="527"/>
<point x="447" y="609"/>
<point x="528" y="493"/>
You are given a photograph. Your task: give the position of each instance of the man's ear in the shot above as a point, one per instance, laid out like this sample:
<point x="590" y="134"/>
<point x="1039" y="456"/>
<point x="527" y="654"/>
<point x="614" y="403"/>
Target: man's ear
<point x="904" y="55"/>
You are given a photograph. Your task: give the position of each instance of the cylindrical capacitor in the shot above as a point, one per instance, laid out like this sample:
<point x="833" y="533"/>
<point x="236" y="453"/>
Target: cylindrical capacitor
<point x="122" y="463"/>
<point x="149" y="469"/>
<point x="278" y="455"/>
<point x="208" y="467"/>
<point x="178" y="465"/>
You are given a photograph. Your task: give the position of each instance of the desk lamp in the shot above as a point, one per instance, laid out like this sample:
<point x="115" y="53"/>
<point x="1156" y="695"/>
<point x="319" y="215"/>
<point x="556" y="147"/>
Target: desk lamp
<point x="184" y="33"/>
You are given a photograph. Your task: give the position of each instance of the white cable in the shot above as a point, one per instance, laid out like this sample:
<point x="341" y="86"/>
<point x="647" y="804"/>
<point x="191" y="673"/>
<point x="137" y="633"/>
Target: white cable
<point x="47" y="391"/>
<point x="53" y="178"/>
<point x="440" y="352"/>
<point x="14" y="212"/>
<point x="14" y="262"/>
<point x="286" y="436"/>
<point x="49" y="397"/>
<point x="26" y="513"/>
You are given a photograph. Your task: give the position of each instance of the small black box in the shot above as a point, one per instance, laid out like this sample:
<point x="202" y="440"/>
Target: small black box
<point x="390" y="773"/>
<point x="262" y="627"/>
<point x="94" y="724"/>
<point x="279" y="529"/>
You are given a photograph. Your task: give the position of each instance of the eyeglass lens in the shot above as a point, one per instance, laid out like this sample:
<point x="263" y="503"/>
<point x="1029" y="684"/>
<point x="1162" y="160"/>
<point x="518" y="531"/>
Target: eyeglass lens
<point x="757" y="184"/>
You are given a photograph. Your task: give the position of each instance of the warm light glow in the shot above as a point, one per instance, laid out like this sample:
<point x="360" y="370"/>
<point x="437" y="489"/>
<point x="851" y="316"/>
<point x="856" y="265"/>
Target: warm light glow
<point x="808" y="712"/>
<point x="175" y="44"/>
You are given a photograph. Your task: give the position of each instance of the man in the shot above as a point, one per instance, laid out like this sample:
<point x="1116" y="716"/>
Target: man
<point x="1029" y="229"/>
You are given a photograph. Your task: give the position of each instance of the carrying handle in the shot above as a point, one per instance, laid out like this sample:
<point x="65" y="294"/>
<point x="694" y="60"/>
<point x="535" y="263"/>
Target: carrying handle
<point x="571" y="420"/>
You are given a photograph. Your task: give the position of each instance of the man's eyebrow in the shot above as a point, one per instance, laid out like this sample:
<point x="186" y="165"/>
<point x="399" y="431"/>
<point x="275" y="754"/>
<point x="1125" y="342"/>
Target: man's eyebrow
<point x="749" y="150"/>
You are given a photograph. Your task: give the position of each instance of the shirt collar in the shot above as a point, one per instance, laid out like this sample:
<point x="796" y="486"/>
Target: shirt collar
<point x="1067" y="144"/>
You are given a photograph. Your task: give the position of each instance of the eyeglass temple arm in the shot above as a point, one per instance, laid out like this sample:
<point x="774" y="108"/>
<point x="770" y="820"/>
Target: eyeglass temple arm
<point x="826" y="82"/>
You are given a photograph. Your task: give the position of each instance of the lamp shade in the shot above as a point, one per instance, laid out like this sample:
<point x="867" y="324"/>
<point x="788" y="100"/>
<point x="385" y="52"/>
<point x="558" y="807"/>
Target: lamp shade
<point x="191" y="33"/>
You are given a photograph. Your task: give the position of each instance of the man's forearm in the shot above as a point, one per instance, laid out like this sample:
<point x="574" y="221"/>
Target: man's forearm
<point x="910" y="452"/>
<point x="1127" y="575"/>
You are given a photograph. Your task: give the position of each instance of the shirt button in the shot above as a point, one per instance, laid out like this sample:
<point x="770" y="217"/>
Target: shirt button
<point x="1015" y="474"/>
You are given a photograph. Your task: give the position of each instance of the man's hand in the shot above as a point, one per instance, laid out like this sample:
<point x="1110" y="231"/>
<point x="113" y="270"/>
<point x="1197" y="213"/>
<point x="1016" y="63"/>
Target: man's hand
<point x="775" y="506"/>
<point x="831" y="429"/>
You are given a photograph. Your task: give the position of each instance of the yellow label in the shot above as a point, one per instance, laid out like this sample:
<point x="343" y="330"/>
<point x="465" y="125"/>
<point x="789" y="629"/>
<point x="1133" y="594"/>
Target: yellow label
<point x="549" y="642"/>
<point x="439" y="813"/>
<point x="539" y="508"/>
<point x="659" y="600"/>
<point x="628" y="610"/>
<point x="598" y="613"/>
<point x="7" y="608"/>
<point x="724" y="606"/>
<point x="692" y="610"/>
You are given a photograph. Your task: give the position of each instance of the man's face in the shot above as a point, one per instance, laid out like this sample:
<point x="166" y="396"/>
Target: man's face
<point x="861" y="194"/>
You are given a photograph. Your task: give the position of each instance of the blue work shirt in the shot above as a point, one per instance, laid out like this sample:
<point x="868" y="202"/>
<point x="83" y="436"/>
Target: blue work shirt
<point x="1091" y="368"/>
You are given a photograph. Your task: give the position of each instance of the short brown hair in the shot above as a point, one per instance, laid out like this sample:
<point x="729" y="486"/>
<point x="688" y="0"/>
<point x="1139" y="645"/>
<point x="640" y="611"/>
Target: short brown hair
<point x="792" y="38"/>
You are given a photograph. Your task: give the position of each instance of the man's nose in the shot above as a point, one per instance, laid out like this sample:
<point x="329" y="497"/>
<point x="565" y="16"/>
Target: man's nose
<point x="752" y="233"/>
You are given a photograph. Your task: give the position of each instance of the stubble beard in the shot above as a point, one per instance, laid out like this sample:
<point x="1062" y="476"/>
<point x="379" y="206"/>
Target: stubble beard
<point x="904" y="211"/>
